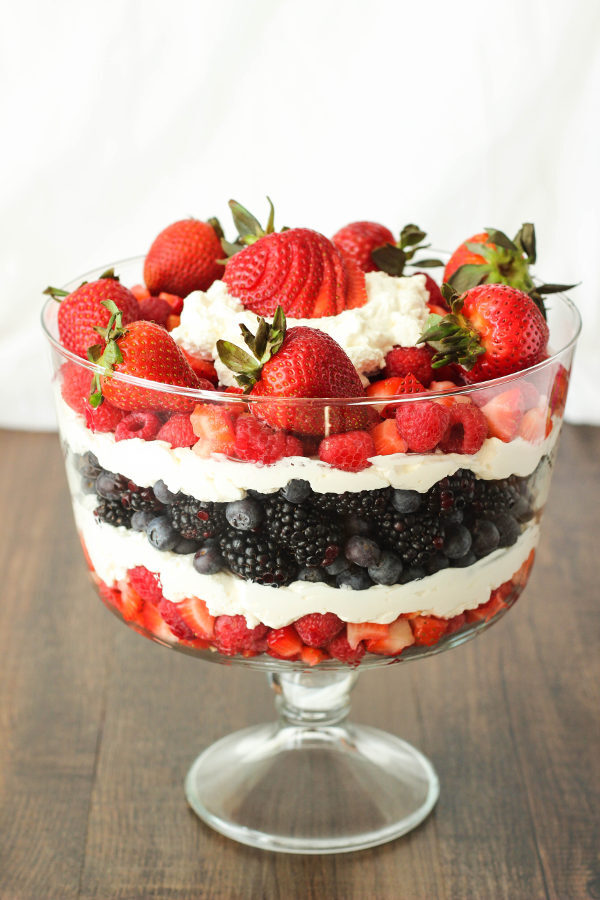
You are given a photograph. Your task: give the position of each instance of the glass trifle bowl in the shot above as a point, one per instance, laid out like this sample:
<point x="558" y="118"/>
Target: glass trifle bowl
<point x="309" y="571"/>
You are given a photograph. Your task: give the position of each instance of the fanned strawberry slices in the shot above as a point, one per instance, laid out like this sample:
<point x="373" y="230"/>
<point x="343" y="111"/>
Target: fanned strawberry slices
<point x="300" y="270"/>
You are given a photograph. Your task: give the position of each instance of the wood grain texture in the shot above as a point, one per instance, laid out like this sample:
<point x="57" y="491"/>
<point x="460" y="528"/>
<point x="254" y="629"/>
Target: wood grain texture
<point x="98" y="728"/>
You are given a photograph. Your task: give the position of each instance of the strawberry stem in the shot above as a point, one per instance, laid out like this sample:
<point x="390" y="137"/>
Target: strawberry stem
<point x="452" y="336"/>
<point x="263" y="345"/>
<point x="109" y="356"/>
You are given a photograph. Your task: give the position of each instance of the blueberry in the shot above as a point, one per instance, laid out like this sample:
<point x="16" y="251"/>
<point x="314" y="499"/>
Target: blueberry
<point x="437" y="563"/>
<point x="340" y="564"/>
<point x="406" y="501"/>
<point x="141" y="519"/>
<point x="354" y="525"/>
<point x="362" y="551"/>
<point x="486" y="537"/>
<point x="464" y="561"/>
<point x="88" y="465"/>
<point x="354" y="578"/>
<point x="244" y="514"/>
<point x="109" y="486"/>
<point x="412" y="574"/>
<point x="508" y="528"/>
<point x="208" y="560"/>
<point x="457" y="541"/>
<point x="522" y="510"/>
<point x="312" y="574"/>
<point x="185" y="546"/>
<point x="163" y="494"/>
<point x="296" y="491"/>
<point x="387" y="570"/>
<point x="454" y="517"/>
<point x="161" y="534"/>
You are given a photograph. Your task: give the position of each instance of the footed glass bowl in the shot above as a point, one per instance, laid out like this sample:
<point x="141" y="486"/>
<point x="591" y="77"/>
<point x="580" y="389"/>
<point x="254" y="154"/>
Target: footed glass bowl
<point x="243" y="547"/>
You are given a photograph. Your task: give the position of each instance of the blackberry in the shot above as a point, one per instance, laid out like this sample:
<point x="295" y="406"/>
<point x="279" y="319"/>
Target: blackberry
<point x="308" y="534"/>
<point x="496" y="497"/>
<point x="196" y="520"/>
<point x="363" y="504"/>
<point x="451" y="495"/>
<point x="139" y="499"/>
<point x="415" y="538"/>
<point x="255" y="557"/>
<point x="113" y="513"/>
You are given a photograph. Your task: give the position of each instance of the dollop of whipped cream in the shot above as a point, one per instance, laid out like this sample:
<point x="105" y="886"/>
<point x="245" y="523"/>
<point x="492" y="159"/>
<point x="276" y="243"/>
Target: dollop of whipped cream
<point x="394" y="315"/>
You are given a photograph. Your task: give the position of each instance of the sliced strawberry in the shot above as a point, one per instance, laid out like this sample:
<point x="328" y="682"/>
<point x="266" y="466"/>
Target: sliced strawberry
<point x="130" y="603"/>
<point x="203" y="367"/>
<point x="174" y="301"/>
<point x="284" y="642"/>
<point x="399" y="637"/>
<point x="455" y="623"/>
<point x="428" y="630"/>
<point x="365" y="631"/>
<point x="521" y="576"/>
<point x="394" y="387"/>
<point x="533" y="426"/>
<point x="215" y="430"/>
<point x="140" y="292"/>
<point x="196" y="616"/>
<point x="312" y="656"/>
<point x="504" y="414"/>
<point x="386" y="438"/>
<point x="487" y="611"/>
<point x="153" y="622"/>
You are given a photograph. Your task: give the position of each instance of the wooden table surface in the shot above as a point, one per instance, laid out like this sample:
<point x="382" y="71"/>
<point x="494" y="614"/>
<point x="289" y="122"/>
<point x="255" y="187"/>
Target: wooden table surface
<point x="98" y="728"/>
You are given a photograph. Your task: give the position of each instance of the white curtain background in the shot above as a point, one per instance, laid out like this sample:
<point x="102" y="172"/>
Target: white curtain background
<point x="122" y="116"/>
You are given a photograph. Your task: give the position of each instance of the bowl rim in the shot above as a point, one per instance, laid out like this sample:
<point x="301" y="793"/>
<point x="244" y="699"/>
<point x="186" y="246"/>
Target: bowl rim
<point x="203" y="396"/>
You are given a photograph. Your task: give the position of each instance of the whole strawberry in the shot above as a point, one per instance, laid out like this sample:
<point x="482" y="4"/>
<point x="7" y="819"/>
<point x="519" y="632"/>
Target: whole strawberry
<point x="184" y="258"/>
<point x="302" y="363"/>
<point x="81" y="311"/>
<point x="491" y="331"/>
<point x="358" y="240"/>
<point x="143" y="350"/>
<point x="374" y="249"/>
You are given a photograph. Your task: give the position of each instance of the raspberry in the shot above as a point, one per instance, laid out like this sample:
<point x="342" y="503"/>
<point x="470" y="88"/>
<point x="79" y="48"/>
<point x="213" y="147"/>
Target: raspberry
<point x="154" y="309"/>
<point x="340" y="649"/>
<point x="422" y="424"/>
<point x="467" y="429"/>
<point x="172" y="617"/>
<point x="433" y="288"/>
<point x="257" y="442"/>
<point x="76" y="384"/>
<point x="177" y="431"/>
<point x="144" y="425"/>
<point x="318" y="629"/>
<point x="105" y="417"/>
<point x="232" y="636"/>
<point x="146" y="584"/>
<point x="410" y="360"/>
<point x="349" y="451"/>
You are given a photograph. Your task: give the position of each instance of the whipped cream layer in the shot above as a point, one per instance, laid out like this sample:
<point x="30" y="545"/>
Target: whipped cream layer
<point x="394" y="314"/>
<point x="447" y="593"/>
<point x="221" y="479"/>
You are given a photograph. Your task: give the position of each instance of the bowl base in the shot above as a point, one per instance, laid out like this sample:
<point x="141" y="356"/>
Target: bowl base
<point x="296" y="789"/>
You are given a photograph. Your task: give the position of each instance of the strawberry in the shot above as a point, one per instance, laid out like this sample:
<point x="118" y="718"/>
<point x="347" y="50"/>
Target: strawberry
<point x="299" y="270"/>
<point x="140" y="292"/>
<point x="214" y="428"/>
<point x="358" y="240"/>
<point x="130" y="603"/>
<point x="533" y="426"/>
<point x="146" y="351"/>
<point x="467" y="428"/>
<point x="558" y="394"/>
<point x="350" y="451"/>
<point x="184" y="258"/>
<point x="203" y="367"/>
<point x="521" y="576"/>
<point x="82" y="311"/>
<point x="490" y="257"/>
<point x="428" y="630"/>
<point x="504" y="413"/>
<point x="401" y="361"/>
<point x="394" y="387"/>
<point x="174" y="300"/>
<point x="284" y="642"/>
<point x="422" y="424"/>
<point x="312" y="656"/>
<point x="75" y="385"/>
<point x="365" y="631"/>
<point x="153" y="622"/>
<point x="301" y="362"/>
<point x="177" y="431"/>
<point x="399" y="636"/>
<point x="486" y="611"/>
<point x="317" y="629"/>
<point x="386" y="438"/>
<point x="102" y="418"/>
<point x="492" y="330"/>
<point x="196" y="616"/>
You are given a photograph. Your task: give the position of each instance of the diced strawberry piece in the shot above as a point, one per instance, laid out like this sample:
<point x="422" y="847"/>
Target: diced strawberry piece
<point x="110" y="596"/>
<point x="504" y="413"/>
<point x="533" y="426"/>
<point x="140" y="292"/>
<point x="410" y="360"/>
<point x="399" y="637"/>
<point x="317" y="629"/>
<point x="214" y="428"/>
<point x="195" y="614"/>
<point x="487" y="611"/>
<point x="153" y="622"/>
<point x="143" y="424"/>
<point x="529" y="395"/>
<point x="312" y="656"/>
<point x="385" y="387"/>
<point x="428" y="630"/>
<point x="131" y="604"/>
<point x="521" y="576"/>
<point x="386" y="438"/>
<point x="176" y="304"/>
<point x="442" y="386"/>
<point x="203" y="367"/>
<point x="365" y="631"/>
<point x="284" y="642"/>
<point x="455" y="623"/>
<point x="422" y="424"/>
<point x="172" y="322"/>
<point x="350" y="451"/>
<point x="558" y="394"/>
<point x="177" y="431"/>
<point x="339" y="648"/>
<point x="146" y="584"/>
<point x="467" y="427"/>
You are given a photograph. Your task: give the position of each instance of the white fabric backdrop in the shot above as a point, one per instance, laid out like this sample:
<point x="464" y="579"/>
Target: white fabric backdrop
<point x="122" y="116"/>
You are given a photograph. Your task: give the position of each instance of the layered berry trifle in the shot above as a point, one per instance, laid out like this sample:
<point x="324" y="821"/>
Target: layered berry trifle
<point x="302" y="447"/>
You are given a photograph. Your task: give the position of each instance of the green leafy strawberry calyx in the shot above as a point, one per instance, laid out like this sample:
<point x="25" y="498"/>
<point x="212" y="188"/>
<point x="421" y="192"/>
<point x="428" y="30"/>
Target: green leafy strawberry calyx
<point x="263" y="345"/>
<point x="106" y="355"/>
<point x="452" y="336"/>
<point x="392" y="258"/>
<point x="248" y="226"/>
